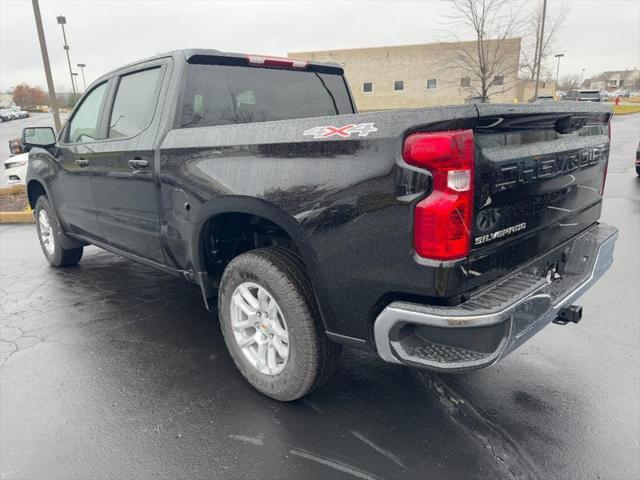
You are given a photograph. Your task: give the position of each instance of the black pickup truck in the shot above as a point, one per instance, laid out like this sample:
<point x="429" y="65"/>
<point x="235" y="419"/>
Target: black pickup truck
<point x="440" y="238"/>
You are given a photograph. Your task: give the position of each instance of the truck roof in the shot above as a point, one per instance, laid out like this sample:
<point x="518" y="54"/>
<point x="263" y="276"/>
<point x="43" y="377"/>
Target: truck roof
<point x="185" y="54"/>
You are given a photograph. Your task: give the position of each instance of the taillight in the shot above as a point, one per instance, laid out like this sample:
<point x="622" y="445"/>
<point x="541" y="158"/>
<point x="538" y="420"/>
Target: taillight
<point x="277" y="62"/>
<point x="442" y="221"/>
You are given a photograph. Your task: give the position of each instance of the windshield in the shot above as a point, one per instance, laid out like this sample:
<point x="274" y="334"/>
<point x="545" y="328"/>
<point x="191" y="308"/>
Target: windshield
<point x="223" y="95"/>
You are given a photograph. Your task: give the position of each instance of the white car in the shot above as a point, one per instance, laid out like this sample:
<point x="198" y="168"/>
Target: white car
<point x="15" y="169"/>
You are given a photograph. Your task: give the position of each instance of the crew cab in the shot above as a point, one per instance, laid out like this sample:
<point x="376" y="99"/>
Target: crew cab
<point x="439" y="238"/>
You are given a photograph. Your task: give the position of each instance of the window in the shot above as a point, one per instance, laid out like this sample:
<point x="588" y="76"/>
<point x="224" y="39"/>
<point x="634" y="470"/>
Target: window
<point x="134" y="104"/>
<point x="465" y="82"/>
<point x="367" y="87"/>
<point x="84" y="123"/>
<point x="432" y="83"/>
<point x="612" y="83"/>
<point x="226" y="94"/>
<point x="498" y="80"/>
<point x="398" y="85"/>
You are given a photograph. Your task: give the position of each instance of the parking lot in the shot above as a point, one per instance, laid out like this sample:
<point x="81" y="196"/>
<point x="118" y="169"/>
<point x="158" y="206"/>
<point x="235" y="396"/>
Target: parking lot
<point x="113" y="370"/>
<point x="13" y="129"/>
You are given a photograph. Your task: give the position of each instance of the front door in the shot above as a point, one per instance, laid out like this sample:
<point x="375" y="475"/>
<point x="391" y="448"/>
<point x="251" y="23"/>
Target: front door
<point x="123" y="180"/>
<point x="72" y="188"/>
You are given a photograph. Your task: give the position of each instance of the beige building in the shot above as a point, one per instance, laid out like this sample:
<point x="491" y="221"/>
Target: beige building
<point x="413" y="76"/>
<point x="526" y="89"/>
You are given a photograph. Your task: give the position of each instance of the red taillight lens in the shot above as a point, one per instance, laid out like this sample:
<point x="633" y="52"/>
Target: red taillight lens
<point x="442" y="221"/>
<point x="277" y="62"/>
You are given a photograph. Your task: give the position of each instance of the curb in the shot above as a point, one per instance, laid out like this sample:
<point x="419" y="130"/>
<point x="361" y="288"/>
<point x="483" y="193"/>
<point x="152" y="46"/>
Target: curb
<point x="26" y="216"/>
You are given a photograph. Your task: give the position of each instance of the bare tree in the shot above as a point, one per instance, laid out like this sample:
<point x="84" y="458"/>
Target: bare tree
<point x="533" y="43"/>
<point x="495" y="25"/>
<point x="569" y="82"/>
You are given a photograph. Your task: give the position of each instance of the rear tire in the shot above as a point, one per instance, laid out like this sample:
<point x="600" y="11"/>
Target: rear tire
<point x="266" y="304"/>
<point x="49" y="234"/>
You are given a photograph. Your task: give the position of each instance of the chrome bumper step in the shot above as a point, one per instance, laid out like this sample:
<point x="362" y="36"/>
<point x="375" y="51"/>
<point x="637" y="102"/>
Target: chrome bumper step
<point x="496" y="319"/>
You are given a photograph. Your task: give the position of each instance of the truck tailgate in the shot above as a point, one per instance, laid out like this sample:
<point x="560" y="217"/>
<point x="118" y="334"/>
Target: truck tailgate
<point x="540" y="173"/>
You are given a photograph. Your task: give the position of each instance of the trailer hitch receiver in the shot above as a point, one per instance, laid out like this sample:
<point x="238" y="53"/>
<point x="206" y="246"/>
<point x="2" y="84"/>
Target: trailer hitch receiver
<point x="572" y="313"/>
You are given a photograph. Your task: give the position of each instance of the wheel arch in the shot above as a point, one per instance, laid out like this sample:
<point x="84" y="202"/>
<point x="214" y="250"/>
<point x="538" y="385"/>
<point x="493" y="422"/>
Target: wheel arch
<point x="36" y="188"/>
<point x="269" y="212"/>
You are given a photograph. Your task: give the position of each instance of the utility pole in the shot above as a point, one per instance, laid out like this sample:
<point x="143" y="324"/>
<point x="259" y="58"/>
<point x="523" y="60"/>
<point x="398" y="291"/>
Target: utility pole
<point x="82" y="67"/>
<point x="558" y="56"/>
<point x="544" y="14"/>
<point x="47" y="67"/>
<point x="63" y="21"/>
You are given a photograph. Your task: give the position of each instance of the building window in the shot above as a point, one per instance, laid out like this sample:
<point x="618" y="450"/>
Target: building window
<point x="367" y="87"/>
<point x="398" y="85"/>
<point x="498" y="80"/>
<point x="612" y="83"/>
<point x="432" y="83"/>
<point x="465" y="82"/>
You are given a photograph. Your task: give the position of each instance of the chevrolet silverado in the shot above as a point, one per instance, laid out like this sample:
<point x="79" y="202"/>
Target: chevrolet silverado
<point x="439" y="238"/>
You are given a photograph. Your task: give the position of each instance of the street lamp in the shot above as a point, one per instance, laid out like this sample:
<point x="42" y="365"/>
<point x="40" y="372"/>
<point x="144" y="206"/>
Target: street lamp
<point x="62" y="21"/>
<point x="82" y="67"/>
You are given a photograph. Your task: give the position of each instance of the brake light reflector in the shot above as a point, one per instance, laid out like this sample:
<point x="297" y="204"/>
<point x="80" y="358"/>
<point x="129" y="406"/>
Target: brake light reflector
<point x="277" y="62"/>
<point x="442" y="221"/>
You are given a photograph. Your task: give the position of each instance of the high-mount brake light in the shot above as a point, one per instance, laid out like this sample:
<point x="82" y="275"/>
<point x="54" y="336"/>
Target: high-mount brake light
<point x="442" y="221"/>
<point x="277" y="62"/>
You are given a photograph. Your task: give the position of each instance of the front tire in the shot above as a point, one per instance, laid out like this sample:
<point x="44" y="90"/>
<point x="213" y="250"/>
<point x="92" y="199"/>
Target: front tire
<point x="49" y="234"/>
<point x="638" y="170"/>
<point x="271" y="324"/>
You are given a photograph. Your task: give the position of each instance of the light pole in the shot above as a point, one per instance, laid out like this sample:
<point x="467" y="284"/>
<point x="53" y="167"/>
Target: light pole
<point x="47" y="67"/>
<point x="73" y="77"/>
<point x="539" y="60"/>
<point x="82" y="67"/>
<point x="62" y="21"/>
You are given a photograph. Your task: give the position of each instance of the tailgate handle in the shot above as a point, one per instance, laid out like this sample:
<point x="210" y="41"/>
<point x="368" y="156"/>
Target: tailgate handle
<point x="137" y="163"/>
<point x="82" y="162"/>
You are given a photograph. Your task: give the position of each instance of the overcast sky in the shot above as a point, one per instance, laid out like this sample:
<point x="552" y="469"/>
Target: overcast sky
<point x="598" y="35"/>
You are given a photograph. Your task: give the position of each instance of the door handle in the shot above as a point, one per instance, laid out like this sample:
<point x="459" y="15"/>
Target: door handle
<point x="137" y="163"/>
<point x="81" y="162"/>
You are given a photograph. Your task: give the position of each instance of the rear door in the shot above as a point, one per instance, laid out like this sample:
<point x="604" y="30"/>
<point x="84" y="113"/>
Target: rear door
<point x="123" y="181"/>
<point x="540" y="173"/>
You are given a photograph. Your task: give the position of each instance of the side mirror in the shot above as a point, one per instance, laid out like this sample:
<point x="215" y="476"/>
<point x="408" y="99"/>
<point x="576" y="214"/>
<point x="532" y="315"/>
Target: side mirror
<point x="38" y="137"/>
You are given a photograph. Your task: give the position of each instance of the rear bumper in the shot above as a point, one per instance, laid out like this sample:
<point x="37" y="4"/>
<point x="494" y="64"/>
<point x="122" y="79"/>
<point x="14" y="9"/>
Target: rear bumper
<point x="497" y="319"/>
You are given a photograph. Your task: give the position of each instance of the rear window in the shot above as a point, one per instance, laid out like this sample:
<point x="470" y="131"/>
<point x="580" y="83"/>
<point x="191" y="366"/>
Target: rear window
<point x="224" y="95"/>
<point x="589" y="94"/>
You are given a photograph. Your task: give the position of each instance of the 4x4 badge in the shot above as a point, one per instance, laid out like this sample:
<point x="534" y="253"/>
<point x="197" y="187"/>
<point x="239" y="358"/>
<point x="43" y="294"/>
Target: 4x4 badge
<point x="362" y="129"/>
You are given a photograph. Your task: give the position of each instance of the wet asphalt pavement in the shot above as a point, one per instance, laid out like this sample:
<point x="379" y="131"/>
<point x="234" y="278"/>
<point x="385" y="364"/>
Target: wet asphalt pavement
<point x="113" y="370"/>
